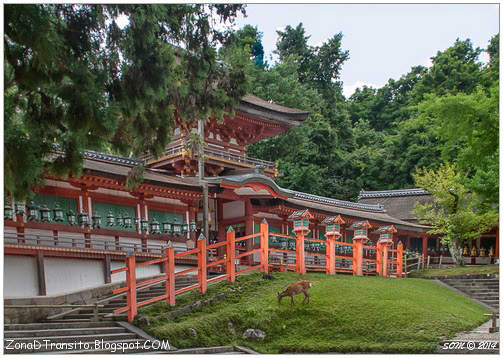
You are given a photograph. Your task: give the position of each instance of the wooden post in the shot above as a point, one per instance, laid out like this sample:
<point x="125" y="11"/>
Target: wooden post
<point x="42" y="289"/>
<point x="428" y="262"/>
<point x="425" y="247"/>
<point x="264" y="246"/>
<point x="300" y="255"/>
<point x="107" y="269"/>
<point x="231" y="254"/>
<point x="440" y="262"/>
<point x="399" y="259"/>
<point x="131" y="285"/>
<point x="330" y="255"/>
<point x="379" y="259"/>
<point x="169" y="269"/>
<point x="201" y="264"/>
<point x="405" y="266"/>
<point x="385" y="260"/>
<point x="357" y="257"/>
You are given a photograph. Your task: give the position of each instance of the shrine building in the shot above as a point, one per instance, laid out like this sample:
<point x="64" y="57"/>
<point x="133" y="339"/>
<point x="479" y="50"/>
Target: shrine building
<point x="74" y="231"/>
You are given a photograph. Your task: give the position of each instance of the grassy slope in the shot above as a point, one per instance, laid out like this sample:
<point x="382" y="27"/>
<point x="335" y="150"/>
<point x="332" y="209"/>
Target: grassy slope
<point x="470" y="270"/>
<point x="346" y="314"/>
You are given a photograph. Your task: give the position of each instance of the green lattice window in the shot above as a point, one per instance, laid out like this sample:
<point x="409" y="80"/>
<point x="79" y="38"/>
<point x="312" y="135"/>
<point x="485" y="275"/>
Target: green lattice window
<point x="102" y="209"/>
<point x="66" y="204"/>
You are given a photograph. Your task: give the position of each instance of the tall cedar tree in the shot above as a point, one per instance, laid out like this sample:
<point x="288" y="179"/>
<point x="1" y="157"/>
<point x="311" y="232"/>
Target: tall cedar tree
<point x="75" y="80"/>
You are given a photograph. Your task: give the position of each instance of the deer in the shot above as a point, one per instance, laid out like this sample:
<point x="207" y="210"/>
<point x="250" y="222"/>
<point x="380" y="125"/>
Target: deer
<point x="295" y="289"/>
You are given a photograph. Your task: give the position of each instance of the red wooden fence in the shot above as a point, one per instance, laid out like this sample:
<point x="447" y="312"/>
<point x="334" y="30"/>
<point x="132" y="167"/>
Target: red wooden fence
<point x="267" y="254"/>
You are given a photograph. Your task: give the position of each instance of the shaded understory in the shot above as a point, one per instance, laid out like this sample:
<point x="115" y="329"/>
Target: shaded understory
<point x="346" y="314"/>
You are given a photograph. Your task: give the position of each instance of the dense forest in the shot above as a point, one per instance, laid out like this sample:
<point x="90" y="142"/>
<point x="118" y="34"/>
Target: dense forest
<point x="377" y="138"/>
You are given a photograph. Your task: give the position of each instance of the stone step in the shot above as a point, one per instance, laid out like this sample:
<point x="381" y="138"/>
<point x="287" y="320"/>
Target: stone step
<point x="54" y="325"/>
<point x="60" y="348"/>
<point x="63" y="331"/>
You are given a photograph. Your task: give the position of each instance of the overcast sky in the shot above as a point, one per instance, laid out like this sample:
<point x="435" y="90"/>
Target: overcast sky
<point x="384" y="40"/>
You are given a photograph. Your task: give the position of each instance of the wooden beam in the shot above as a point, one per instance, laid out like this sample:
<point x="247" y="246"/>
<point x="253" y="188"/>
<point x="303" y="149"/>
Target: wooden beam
<point x="42" y="289"/>
<point x="107" y="269"/>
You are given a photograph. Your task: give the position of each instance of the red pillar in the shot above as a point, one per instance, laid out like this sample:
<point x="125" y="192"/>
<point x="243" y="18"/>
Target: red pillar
<point x="131" y="287"/>
<point x="300" y="255"/>
<point x="425" y="246"/>
<point x="357" y="257"/>
<point x="169" y="269"/>
<point x="330" y="254"/>
<point x="399" y="259"/>
<point x="264" y="246"/>
<point x="379" y="253"/>
<point x="201" y="258"/>
<point x="385" y="249"/>
<point x="231" y="254"/>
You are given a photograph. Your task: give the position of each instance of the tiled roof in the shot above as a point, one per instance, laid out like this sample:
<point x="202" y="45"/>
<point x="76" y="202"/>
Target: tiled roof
<point x="271" y="106"/>
<point x="337" y="202"/>
<point x="90" y="154"/>
<point x="391" y="193"/>
<point x="332" y="219"/>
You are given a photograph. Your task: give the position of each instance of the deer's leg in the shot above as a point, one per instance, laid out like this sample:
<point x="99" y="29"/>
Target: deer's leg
<point x="293" y="302"/>
<point x="306" y="297"/>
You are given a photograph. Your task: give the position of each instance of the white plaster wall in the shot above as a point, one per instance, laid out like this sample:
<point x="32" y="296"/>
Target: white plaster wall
<point x="20" y="276"/>
<point x="233" y="209"/>
<point x="121" y="276"/>
<point x="68" y="275"/>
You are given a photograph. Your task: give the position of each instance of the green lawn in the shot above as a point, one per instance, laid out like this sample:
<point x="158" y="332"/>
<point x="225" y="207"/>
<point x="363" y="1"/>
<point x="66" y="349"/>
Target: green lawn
<point x="346" y="314"/>
<point x="454" y="271"/>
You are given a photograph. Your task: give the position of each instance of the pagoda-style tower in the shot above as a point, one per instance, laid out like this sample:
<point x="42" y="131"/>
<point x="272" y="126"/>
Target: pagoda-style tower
<point x="226" y="142"/>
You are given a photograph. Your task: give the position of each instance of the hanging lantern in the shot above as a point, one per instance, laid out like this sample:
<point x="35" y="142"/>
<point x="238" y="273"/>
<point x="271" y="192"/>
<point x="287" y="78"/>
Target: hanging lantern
<point x="20" y="208"/>
<point x="32" y="211"/>
<point x="144" y="225"/>
<point x="177" y="229"/>
<point x="155" y="227"/>
<point x="58" y="214"/>
<point x="45" y="213"/>
<point x="185" y="228"/>
<point x="96" y="221"/>
<point x="71" y="217"/>
<point x="7" y="212"/>
<point x="128" y="221"/>
<point x="83" y="218"/>
<point x="120" y="220"/>
<point x="167" y="228"/>
<point x="110" y="218"/>
<point x="193" y="226"/>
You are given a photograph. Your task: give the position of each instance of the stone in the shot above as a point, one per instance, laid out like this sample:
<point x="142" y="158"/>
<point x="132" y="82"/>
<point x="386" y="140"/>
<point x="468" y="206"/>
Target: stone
<point x="231" y="328"/>
<point x="144" y="321"/>
<point x="254" y="334"/>
<point x="220" y="296"/>
<point x="193" y="332"/>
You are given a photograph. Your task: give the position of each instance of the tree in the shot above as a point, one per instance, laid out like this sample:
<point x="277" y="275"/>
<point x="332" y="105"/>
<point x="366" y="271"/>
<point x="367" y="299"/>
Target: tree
<point x="75" y="80"/>
<point x="454" y="213"/>
<point x="249" y="39"/>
